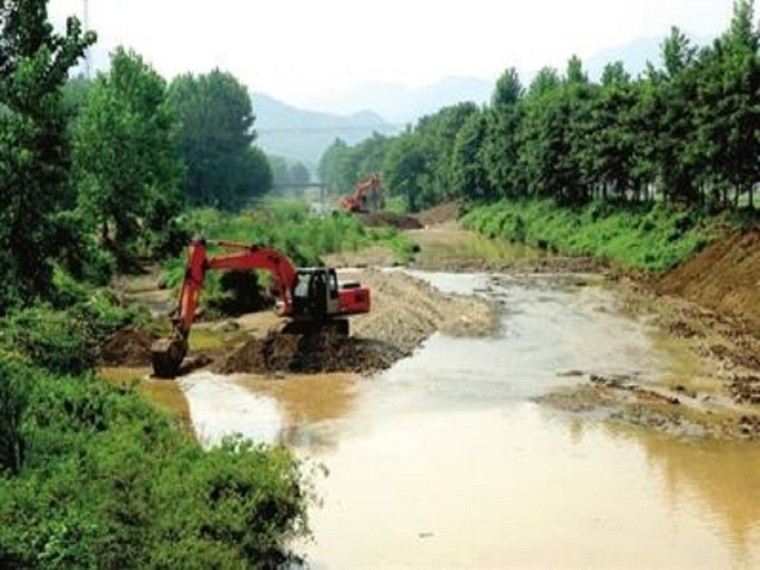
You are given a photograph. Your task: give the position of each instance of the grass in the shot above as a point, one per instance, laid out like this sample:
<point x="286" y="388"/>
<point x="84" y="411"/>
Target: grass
<point x="646" y="237"/>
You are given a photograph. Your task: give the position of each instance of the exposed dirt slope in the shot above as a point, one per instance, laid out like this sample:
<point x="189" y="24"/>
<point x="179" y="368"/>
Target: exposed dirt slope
<point x="724" y="277"/>
<point x="439" y="214"/>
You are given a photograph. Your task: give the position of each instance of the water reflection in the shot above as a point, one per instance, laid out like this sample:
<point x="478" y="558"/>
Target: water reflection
<point x="722" y="476"/>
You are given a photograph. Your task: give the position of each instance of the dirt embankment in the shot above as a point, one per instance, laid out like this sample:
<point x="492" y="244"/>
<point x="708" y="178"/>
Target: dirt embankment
<point x="725" y="277"/>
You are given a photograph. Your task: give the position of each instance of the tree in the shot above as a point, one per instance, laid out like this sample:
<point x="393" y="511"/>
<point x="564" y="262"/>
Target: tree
<point x="404" y="170"/>
<point x="34" y="153"/>
<point x="299" y="174"/>
<point x="126" y="153"/>
<point x="501" y="144"/>
<point x="469" y="173"/>
<point x="217" y="119"/>
<point x="727" y="116"/>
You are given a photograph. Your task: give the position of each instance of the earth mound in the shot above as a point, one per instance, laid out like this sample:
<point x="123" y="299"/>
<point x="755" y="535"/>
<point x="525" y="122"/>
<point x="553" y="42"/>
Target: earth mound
<point x="389" y="219"/>
<point x="128" y="347"/>
<point x="312" y="353"/>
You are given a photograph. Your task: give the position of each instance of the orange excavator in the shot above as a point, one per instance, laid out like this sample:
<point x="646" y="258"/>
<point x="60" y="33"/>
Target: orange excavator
<point x="367" y="196"/>
<point x="311" y="298"/>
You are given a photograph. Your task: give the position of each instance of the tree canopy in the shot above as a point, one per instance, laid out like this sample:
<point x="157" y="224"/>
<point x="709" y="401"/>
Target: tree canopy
<point x="126" y="152"/>
<point x="34" y="150"/>
<point x="216" y="117"/>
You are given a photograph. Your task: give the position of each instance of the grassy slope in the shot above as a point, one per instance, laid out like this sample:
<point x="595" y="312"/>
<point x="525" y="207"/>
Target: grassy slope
<point x="651" y="238"/>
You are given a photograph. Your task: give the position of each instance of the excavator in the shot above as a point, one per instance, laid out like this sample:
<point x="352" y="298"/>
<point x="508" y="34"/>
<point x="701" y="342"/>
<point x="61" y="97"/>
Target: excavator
<point x="367" y="196"/>
<point x="312" y="299"/>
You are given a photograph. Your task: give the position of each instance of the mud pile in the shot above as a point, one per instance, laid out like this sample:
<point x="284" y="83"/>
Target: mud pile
<point x="325" y="352"/>
<point x="388" y="219"/>
<point x="128" y="347"/>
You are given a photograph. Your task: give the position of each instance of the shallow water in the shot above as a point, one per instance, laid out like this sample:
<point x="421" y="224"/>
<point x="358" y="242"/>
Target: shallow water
<point x="443" y="460"/>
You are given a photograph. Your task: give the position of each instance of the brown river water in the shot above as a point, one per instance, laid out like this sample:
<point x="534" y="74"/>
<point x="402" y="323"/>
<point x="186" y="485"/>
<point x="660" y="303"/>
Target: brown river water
<point x="444" y="461"/>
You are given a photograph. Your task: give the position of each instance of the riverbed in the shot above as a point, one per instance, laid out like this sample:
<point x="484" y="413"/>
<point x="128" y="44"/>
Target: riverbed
<point x="446" y="460"/>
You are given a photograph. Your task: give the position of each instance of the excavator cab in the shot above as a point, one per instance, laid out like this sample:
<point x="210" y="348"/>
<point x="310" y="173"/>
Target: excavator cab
<point x="316" y="293"/>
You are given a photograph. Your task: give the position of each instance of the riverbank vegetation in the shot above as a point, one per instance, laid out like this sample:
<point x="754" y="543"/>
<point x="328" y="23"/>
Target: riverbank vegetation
<point x="679" y="141"/>
<point x="94" y="178"/>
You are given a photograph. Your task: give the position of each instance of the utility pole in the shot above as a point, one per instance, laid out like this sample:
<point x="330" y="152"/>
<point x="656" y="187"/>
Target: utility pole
<point x="86" y="22"/>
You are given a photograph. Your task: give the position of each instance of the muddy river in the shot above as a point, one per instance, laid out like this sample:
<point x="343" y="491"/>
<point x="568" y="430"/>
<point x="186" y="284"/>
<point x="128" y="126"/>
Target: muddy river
<point x="444" y="460"/>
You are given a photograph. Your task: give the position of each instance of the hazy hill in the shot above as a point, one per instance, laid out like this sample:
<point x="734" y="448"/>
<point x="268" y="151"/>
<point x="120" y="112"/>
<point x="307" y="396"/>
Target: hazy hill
<point x="402" y="105"/>
<point x="304" y="135"/>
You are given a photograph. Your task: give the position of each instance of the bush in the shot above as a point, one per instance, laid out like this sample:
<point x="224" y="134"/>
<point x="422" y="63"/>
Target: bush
<point x="109" y="482"/>
<point x="66" y="341"/>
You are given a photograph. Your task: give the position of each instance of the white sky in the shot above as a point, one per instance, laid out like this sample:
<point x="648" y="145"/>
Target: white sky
<point x="299" y="50"/>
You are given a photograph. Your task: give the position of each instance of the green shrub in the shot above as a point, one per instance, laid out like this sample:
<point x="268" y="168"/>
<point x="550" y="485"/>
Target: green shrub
<point x="109" y="482"/>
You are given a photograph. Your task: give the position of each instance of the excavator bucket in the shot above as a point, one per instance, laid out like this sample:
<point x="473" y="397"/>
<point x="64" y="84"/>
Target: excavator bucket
<point x="167" y="355"/>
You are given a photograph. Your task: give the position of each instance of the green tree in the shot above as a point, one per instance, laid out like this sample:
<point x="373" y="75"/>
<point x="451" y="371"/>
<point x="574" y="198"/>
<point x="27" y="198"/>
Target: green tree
<point x="501" y="145"/>
<point x="126" y="154"/>
<point x="469" y="175"/>
<point x="727" y="114"/>
<point x="34" y="152"/>
<point x="404" y="170"/>
<point x="217" y="134"/>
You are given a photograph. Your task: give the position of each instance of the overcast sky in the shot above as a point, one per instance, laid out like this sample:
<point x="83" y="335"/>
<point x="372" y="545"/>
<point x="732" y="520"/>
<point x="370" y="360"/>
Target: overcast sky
<point x="299" y="50"/>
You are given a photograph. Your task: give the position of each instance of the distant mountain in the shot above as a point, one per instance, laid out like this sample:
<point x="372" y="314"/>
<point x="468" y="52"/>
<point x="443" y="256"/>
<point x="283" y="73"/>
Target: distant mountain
<point x="402" y="105"/>
<point x="298" y="134"/>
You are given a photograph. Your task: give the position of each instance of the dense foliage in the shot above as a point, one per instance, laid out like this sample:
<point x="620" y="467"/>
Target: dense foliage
<point x="91" y="476"/>
<point x="646" y="236"/>
<point x="685" y="132"/>
<point x="224" y="170"/>
<point x="34" y="150"/>
<point x="126" y="156"/>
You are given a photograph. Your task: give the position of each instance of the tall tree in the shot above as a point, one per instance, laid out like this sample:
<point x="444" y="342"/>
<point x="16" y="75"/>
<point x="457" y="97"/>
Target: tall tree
<point x="34" y="154"/>
<point x="501" y="144"/>
<point x="216" y="117"/>
<point x="126" y="152"/>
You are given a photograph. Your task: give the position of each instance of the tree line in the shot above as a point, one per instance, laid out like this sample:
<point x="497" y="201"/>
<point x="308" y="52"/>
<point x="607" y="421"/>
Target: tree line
<point x="95" y="173"/>
<point x="684" y="131"/>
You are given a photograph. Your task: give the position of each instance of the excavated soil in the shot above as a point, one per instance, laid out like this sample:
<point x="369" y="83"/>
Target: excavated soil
<point x="389" y="219"/>
<point x="326" y="352"/>
<point x="128" y="347"/>
<point x="439" y="214"/>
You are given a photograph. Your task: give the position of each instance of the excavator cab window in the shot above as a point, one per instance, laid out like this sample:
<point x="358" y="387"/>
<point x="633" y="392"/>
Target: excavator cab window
<point x="318" y="294"/>
<point x="333" y="284"/>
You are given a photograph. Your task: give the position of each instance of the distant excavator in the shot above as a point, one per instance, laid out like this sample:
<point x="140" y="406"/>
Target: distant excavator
<point x="311" y="299"/>
<point x="368" y="196"/>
